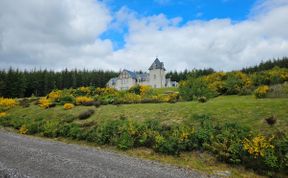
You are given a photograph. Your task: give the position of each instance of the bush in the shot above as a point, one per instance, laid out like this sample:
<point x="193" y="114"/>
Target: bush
<point x="66" y="99"/>
<point x="7" y="102"/>
<point x="227" y="142"/>
<point x="68" y="106"/>
<point x="45" y="103"/>
<point x="83" y="99"/>
<point x="97" y="104"/>
<point x="237" y="83"/>
<point x="135" y="89"/>
<point x="54" y="95"/>
<point x="194" y="88"/>
<point x="25" y="103"/>
<point x="50" y="128"/>
<point x="3" y="114"/>
<point x="202" y="99"/>
<point x="278" y="91"/>
<point x="86" y="114"/>
<point x="261" y="91"/>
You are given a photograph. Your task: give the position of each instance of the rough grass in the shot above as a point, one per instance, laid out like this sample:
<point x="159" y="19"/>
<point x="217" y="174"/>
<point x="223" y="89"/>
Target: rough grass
<point x="245" y="110"/>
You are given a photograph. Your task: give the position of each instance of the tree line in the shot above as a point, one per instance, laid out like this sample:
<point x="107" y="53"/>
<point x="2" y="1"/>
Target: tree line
<point x="267" y="65"/>
<point x="195" y="73"/>
<point x="16" y="83"/>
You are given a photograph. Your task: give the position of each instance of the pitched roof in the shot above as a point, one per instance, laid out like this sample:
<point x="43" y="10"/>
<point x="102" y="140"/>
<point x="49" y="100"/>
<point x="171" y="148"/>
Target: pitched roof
<point x="157" y="65"/>
<point x="136" y="75"/>
<point x="131" y="74"/>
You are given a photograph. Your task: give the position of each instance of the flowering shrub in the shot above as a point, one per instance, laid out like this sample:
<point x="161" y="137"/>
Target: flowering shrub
<point x="3" y="114"/>
<point x="131" y="98"/>
<point x="7" y="102"/>
<point x="45" y="103"/>
<point x="83" y="99"/>
<point x="54" y="95"/>
<point x="216" y="81"/>
<point x="145" y="90"/>
<point x="106" y="91"/>
<point x="258" y="145"/>
<point x="86" y="90"/>
<point x="68" y="106"/>
<point x="23" y="130"/>
<point x="261" y="91"/>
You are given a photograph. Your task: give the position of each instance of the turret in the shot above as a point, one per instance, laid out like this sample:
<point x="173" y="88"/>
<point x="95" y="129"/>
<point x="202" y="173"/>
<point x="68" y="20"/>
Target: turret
<point x="157" y="74"/>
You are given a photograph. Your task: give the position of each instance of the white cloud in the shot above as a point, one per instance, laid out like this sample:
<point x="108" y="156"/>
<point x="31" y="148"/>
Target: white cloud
<point x="216" y="43"/>
<point x="53" y="34"/>
<point x="58" y="34"/>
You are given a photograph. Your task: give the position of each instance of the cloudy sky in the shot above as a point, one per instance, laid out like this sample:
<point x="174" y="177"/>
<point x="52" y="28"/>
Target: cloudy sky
<point x="118" y="34"/>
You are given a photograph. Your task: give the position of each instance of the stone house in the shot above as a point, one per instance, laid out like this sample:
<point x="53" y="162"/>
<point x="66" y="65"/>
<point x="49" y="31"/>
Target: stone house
<point x="156" y="78"/>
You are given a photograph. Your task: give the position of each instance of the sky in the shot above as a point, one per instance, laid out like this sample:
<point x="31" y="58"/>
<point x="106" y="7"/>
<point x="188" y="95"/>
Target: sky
<point x="130" y="34"/>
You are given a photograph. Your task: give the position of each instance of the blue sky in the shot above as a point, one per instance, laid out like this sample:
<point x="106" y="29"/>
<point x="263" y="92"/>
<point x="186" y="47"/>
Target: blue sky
<point x="187" y="10"/>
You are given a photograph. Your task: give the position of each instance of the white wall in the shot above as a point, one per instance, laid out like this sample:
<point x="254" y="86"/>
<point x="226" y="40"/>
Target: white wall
<point x="157" y="78"/>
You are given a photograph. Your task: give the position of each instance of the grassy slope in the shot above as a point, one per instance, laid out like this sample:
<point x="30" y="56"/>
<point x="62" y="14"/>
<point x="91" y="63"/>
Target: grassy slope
<point x="245" y="110"/>
<point x="241" y="109"/>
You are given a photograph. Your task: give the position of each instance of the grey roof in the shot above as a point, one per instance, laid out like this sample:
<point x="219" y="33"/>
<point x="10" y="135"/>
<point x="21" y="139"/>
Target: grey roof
<point x="157" y="65"/>
<point x="113" y="80"/>
<point x="137" y="75"/>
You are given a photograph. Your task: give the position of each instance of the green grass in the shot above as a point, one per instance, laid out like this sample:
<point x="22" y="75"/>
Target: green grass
<point x="245" y="110"/>
<point x="165" y="90"/>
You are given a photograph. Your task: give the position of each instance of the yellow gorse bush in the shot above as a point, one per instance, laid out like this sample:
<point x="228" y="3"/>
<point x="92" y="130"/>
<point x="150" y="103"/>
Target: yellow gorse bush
<point x="261" y="91"/>
<point x="216" y="81"/>
<point x="83" y="99"/>
<point x="23" y="130"/>
<point x="54" y="95"/>
<point x="258" y="145"/>
<point x="7" y="102"/>
<point x="105" y="91"/>
<point x="132" y="97"/>
<point x="3" y="114"/>
<point x="86" y="90"/>
<point x="145" y="89"/>
<point x="44" y="102"/>
<point x="68" y="106"/>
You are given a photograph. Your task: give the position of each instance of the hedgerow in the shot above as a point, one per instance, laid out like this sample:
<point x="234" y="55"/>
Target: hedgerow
<point x="229" y="142"/>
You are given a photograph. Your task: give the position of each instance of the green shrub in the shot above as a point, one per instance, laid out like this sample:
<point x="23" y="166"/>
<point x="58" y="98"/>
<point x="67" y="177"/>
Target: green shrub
<point x="135" y="89"/>
<point x="86" y="114"/>
<point x="237" y="83"/>
<point x="278" y="91"/>
<point x="202" y="99"/>
<point x="50" y="128"/>
<point x="106" y="131"/>
<point x="227" y="142"/>
<point x="97" y="104"/>
<point x="25" y="103"/>
<point x="194" y="88"/>
<point x="66" y="99"/>
<point x="34" y="126"/>
<point x="168" y="145"/>
<point x="125" y="141"/>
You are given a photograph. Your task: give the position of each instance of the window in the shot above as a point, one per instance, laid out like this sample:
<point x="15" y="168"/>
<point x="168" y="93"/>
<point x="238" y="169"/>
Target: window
<point x="154" y="76"/>
<point x="154" y="86"/>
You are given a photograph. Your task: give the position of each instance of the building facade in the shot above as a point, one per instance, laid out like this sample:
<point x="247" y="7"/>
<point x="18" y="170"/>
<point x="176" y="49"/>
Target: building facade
<point x="156" y="78"/>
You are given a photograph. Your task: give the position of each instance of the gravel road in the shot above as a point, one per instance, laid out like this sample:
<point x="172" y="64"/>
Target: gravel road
<point x="23" y="156"/>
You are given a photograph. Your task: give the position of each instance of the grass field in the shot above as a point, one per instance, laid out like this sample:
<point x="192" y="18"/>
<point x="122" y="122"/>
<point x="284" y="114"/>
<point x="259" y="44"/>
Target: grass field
<point x="245" y="110"/>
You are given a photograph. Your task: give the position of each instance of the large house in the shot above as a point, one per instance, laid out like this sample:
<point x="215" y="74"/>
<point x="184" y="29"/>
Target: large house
<point x="156" y="78"/>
